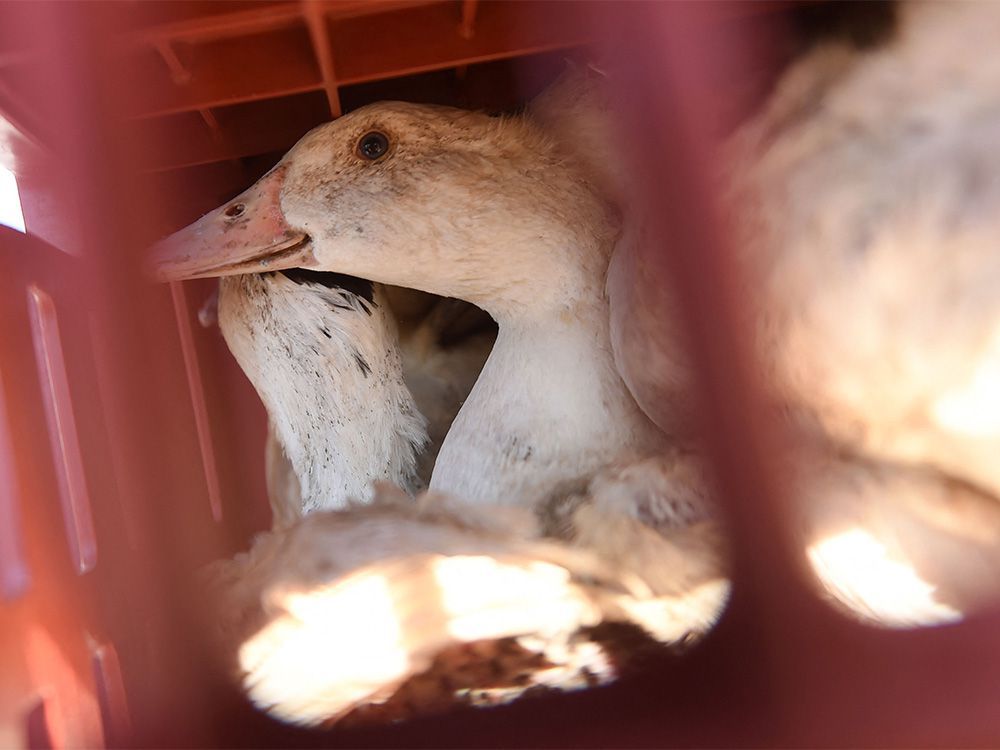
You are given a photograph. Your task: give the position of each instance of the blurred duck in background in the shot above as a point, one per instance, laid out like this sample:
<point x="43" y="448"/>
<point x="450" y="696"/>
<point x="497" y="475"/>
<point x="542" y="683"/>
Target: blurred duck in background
<point x="864" y="198"/>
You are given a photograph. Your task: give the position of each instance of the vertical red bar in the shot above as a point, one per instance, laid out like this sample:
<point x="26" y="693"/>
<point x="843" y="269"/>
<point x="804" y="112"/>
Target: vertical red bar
<point x="63" y="434"/>
<point x="128" y="485"/>
<point x="202" y="425"/>
<point x="14" y="575"/>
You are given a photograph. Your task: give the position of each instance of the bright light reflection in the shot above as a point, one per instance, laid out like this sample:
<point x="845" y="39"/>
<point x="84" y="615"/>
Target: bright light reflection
<point x="856" y="568"/>
<point x="333" y="648"/>
<point x="486" y="598"/>
<point x="672" y="618"/>
<point x="10" y="201"/>
<point x="974" y="409"/>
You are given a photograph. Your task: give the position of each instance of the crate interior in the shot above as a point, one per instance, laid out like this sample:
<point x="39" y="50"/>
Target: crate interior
<point x="131" y="444"/>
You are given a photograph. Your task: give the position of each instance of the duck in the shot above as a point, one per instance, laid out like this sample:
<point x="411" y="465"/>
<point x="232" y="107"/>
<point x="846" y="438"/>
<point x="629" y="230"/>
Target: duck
<point x="910" y="375"/>
<point x="875" y="323"/>
<point x="860" y="199"/>
<point x="583" y="560"/>
<point x="879" y="316"/>
<point x="488" y="210"/>
<point x="347" y="396"/>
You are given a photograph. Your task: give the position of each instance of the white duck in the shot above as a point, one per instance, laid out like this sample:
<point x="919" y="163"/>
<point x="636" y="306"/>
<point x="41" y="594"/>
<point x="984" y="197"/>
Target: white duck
<point x="865" y="198"/>
<point x="488" y="210"/>
<point x="346" y="396"/>
<point x="299" y="337"/>
<point x="911" y="373"/>
<point x="878" y="318"/>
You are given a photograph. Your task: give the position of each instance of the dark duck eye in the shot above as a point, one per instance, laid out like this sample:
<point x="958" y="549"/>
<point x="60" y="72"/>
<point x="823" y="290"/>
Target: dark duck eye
<point x="373" y="145"/>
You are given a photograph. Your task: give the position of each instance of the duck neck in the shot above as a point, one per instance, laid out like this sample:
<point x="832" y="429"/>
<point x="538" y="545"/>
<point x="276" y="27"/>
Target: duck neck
<point x="326" y="366"/>
<point x="548" y="410"/>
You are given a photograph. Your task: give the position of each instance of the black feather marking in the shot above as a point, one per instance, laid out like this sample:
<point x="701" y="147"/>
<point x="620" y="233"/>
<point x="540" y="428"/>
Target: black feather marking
<point x="326" y="332"/>
<point x="362" y="363"/>
<point x="333" y="305"/>
<point x="358" y="287"/>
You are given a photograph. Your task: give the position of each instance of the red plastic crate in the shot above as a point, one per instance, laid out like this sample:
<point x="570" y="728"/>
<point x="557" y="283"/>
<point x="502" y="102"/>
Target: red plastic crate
<point x="130" y="444"/>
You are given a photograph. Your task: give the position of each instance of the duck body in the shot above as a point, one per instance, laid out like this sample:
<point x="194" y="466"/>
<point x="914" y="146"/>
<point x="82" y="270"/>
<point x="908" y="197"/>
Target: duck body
<point x="548" y="412"/>
<point x="863" y="197"/>
<point x="864" y="200"/>
<point x="321" y="351"/>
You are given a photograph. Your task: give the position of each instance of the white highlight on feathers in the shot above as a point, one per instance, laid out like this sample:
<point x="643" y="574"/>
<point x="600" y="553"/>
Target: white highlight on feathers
<point x="857" y="569"/>
<point x="671" y="618"/>
<point x="314" y="660"/>
<point x="974" y="410"/>
<point x="480" y="612"/>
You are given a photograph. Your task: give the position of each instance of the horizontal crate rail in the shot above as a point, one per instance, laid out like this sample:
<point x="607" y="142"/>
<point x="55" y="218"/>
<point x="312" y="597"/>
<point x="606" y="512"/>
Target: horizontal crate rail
<point x="274" y="53"/>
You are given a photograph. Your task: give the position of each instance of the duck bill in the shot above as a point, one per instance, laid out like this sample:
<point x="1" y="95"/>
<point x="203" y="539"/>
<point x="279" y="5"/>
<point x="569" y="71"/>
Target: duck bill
<point x="247" y="235"/>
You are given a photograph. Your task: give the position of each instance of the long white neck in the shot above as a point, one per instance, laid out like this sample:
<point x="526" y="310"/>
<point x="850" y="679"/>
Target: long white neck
<point x="325" y="364"/>
<point x="548" y="411"/>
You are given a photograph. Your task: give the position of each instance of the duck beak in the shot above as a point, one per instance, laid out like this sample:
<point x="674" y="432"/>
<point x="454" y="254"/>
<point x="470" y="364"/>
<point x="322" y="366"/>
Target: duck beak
<point x="249" y="234"/>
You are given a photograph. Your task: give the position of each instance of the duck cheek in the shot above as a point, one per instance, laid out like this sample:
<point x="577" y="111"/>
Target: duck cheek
<point x="344" y="249"/>
<point x="249" y="233"/>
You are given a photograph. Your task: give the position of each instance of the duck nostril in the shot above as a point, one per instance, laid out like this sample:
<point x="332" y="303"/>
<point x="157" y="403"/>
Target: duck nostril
<point x="236" y="210"/>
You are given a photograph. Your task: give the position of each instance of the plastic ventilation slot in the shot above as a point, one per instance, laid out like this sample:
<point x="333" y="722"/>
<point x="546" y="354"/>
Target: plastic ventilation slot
<point x="193" y="372"/>
<point x="63" y="435"/>
<point x="111" y="698"/>
<point x="14" y="575"/>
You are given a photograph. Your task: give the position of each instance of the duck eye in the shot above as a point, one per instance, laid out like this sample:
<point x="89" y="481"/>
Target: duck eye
<point x="373" y="145"/>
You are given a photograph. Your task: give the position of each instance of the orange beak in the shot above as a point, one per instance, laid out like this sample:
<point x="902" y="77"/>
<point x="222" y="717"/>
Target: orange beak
<point x="249" y="234"/>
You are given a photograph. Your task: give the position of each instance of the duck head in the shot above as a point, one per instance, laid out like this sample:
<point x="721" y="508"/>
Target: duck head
<point x="452" y="202"/>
